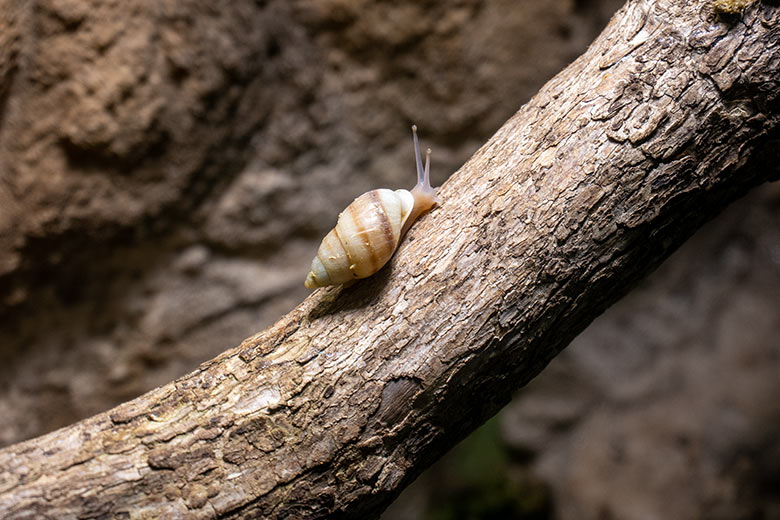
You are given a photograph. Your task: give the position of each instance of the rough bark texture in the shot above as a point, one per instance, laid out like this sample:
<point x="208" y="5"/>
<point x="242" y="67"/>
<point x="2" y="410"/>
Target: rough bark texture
<point x="331" y="411"/>
<point x="673" y="388"/>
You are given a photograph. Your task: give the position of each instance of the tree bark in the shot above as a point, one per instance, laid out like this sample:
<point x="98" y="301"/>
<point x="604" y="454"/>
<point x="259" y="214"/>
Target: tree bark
<point x="672" y="113"/>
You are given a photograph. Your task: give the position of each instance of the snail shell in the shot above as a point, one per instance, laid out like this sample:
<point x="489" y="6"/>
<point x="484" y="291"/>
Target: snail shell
<point x="364" y="239"/>
<point x="370" y="229"/>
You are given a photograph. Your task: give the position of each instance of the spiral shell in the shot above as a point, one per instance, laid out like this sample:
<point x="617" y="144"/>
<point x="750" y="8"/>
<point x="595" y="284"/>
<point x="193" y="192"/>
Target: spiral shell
<point x="369" y="230"/>
<point x="364" y="239"/>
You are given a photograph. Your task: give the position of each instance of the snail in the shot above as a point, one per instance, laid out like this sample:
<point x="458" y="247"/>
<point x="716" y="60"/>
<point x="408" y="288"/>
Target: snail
<point x="370" y="229"/>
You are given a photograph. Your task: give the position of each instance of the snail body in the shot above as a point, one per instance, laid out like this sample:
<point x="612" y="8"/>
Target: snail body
<point x="370" y="228"/>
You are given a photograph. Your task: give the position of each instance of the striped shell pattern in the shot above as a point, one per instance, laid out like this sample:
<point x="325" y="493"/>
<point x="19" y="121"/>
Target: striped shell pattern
<point x="364" y="239"/>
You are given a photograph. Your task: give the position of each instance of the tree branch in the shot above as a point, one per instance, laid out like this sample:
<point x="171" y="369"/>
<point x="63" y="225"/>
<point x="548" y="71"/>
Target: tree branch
<point x="334" y="409"/>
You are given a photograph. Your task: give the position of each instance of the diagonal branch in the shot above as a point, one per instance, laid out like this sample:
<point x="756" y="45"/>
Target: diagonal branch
<point x="667" y="117"/>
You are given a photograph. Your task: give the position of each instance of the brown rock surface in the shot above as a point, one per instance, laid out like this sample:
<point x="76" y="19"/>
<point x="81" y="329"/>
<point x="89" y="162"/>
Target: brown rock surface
<point x="168" y="168"/>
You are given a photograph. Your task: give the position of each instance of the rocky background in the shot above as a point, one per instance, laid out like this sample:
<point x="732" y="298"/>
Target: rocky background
<point x="168" y="167"/>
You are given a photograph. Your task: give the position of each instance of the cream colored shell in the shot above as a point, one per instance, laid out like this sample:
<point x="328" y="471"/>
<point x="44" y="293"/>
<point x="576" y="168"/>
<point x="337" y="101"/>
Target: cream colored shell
<point x="364" y="239"/>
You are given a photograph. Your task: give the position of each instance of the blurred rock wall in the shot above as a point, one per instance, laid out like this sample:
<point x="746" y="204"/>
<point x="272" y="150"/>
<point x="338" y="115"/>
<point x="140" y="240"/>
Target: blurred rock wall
<point x="168" y="167"/>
